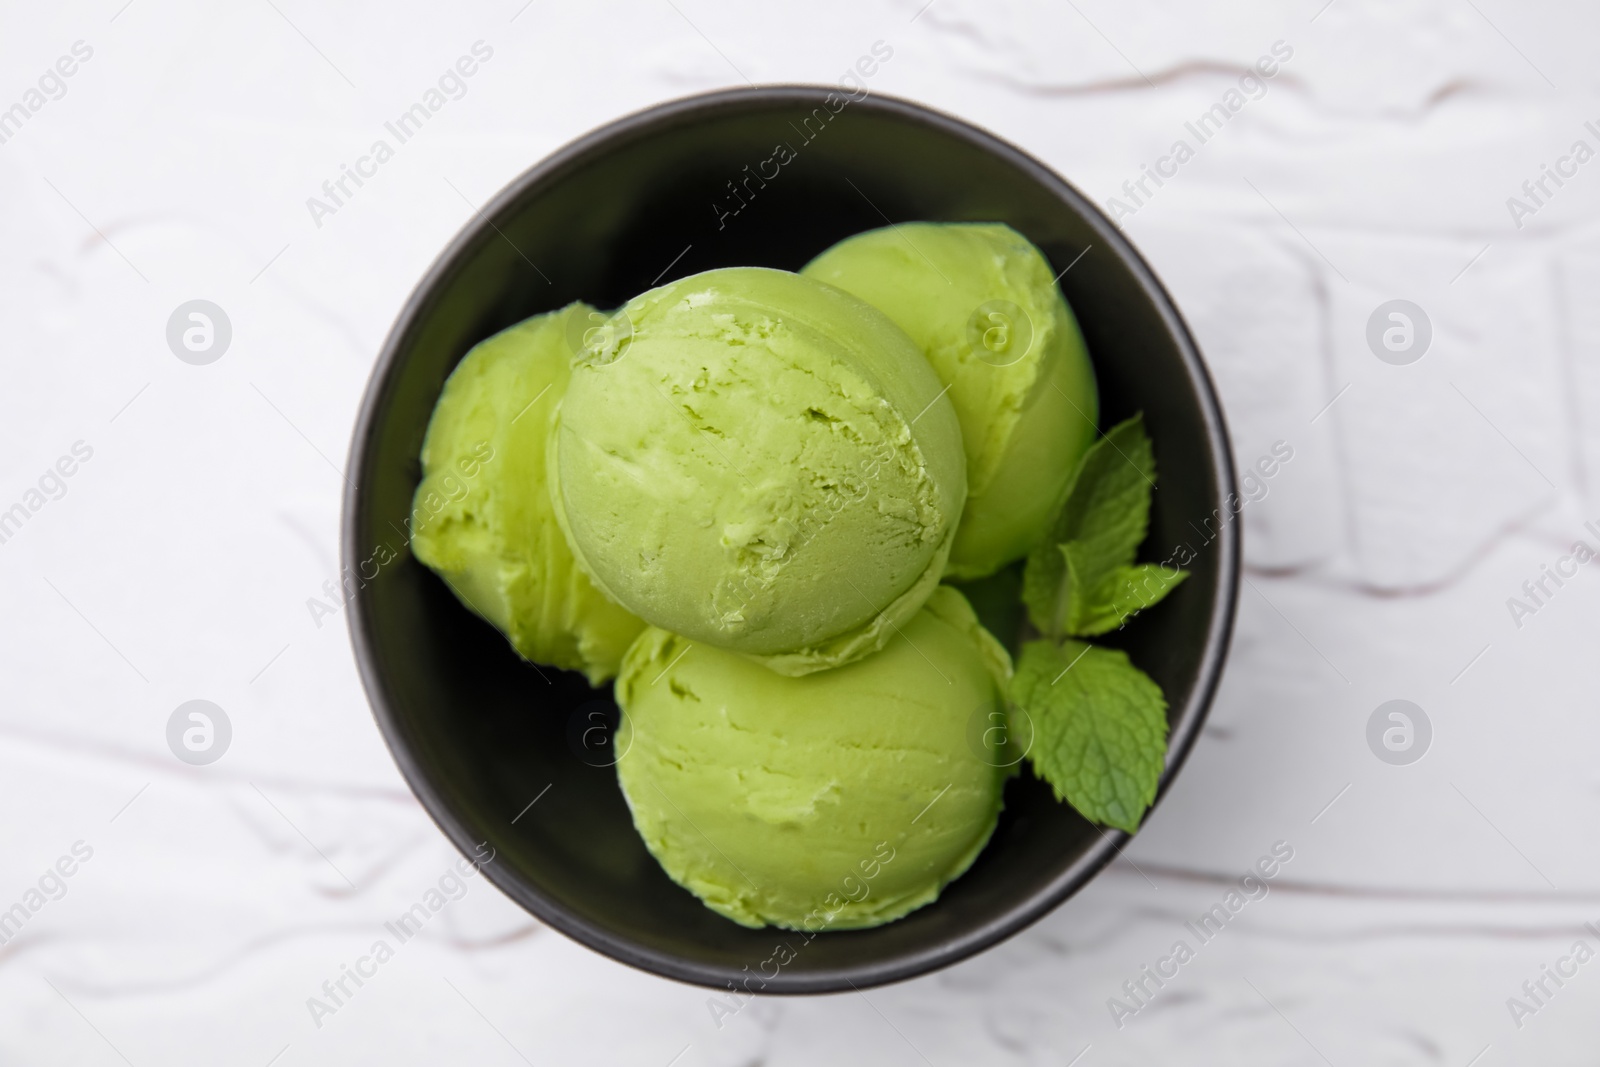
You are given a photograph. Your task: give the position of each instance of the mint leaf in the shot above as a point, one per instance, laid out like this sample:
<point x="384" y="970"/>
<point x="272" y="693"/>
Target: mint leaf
<point x="1099" y="727"/>
<point x="1107" y="510"/>
<point x="1122" y="593"/>
<point x="1047" y="588"/>
<point x="1081" y="580"/>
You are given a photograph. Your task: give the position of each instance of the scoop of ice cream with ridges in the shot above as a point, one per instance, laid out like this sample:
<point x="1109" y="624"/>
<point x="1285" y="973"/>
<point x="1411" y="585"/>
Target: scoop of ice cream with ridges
<point x="769" y="465"/>
<point x="482" y="517"/>
<point x="842" y="799"/>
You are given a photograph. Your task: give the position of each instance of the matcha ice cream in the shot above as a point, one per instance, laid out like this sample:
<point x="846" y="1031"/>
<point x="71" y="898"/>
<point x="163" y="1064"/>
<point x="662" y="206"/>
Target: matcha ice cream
<point x="762" y="463"/>
<point x="842" y="799"/>
<point x="738" y="495"/>
<point x="982" y="304"/>
<point x="482" y="516"/>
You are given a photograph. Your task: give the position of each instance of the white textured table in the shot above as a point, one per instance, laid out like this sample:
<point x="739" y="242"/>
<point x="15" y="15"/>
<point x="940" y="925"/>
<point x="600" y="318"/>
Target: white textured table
<point x="176" y="561"/>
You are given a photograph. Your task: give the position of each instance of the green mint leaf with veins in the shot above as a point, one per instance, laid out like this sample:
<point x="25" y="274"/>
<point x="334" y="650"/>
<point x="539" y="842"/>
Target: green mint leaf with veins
<point x="1123" y="592"/>
<point x="1081" y="580"/>
<point x="1099" y="727"/>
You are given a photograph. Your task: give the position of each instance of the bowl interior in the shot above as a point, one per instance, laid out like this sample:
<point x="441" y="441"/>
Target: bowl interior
<point x="765" y="177"/>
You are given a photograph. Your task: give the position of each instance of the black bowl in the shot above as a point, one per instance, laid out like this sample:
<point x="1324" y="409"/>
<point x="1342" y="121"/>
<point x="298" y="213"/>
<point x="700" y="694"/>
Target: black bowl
<point x="681" y="188"/>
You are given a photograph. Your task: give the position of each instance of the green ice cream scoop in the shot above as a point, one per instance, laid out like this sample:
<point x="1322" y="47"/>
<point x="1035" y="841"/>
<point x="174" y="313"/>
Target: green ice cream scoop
<point x="982" y="303"/>
<point x="482" y="517"/>
<point x="842" y="799"/>
<point x="763" y="463"/>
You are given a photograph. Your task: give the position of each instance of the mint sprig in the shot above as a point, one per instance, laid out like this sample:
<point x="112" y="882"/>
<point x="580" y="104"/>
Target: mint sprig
<point x="1099" y="728"/>
<point x="1081" y="581"/>
<point x="1099" y="723"/>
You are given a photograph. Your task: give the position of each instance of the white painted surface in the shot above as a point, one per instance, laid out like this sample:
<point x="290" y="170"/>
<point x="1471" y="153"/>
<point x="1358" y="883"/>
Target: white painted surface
<point x="177" y="565"/>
